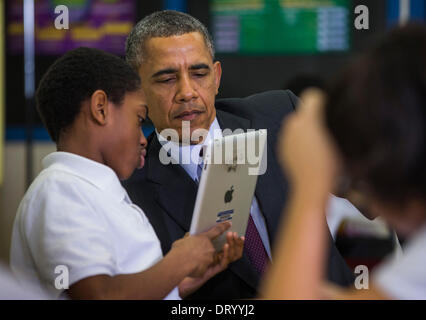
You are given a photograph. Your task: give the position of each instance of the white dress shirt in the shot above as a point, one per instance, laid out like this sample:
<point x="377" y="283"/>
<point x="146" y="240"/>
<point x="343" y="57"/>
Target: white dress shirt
<point x="188" y="155"/>
<point x="76" y="215"/>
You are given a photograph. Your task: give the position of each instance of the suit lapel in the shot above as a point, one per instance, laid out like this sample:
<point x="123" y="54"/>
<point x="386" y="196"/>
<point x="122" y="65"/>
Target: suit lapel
<point x="270" y="195"/>
<point x="175" y="190"/>
<point x="229" y="121"/>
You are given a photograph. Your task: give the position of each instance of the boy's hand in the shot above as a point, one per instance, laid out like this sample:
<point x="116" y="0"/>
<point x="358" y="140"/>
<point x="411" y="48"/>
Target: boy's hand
<point x="198" y="250"/>
<point x="232" y="251"/>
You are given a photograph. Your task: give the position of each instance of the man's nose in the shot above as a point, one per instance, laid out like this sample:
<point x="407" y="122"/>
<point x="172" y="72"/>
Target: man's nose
<point x="186" y="90"/>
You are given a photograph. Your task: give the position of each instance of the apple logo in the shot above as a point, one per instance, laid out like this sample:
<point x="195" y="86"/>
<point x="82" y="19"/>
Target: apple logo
<point x="228" y="195"/>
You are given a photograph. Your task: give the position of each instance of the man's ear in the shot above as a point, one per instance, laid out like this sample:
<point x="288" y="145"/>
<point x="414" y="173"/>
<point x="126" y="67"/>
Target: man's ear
<point x="99" y="107"/>
<point x="217" y="74"/>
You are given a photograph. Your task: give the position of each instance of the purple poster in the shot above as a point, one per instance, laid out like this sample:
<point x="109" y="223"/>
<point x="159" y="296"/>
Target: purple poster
<point x="102" y="24"/>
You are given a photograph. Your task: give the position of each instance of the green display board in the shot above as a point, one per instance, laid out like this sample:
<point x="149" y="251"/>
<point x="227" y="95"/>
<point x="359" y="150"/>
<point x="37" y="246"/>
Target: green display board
<point x="281" y="26"/>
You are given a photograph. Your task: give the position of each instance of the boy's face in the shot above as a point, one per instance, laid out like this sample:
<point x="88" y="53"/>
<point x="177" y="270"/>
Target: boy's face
<point x="125" y="143"/>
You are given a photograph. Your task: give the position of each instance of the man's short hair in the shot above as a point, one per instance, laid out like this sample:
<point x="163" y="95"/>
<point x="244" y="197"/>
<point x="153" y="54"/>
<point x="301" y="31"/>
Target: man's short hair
<point x="165" y="23"/>
<point x="376" y="112"/>
<point x="73" y="78"/>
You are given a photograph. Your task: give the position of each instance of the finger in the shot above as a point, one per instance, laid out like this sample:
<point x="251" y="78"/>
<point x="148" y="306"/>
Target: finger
<point x="230" y="238"/>
<point x="237" y="250"/>
<point x="312" y="102"/>
<point x="231" y="243"/>
<point x="241" y="241"/>
<point x="217" y="230"/>
<point x="224" y="261"/>
<point x="235" y="247"/>
<point x="217" y="258"/>
<point x="240" y="244"/>
<point x="234" y="252"/>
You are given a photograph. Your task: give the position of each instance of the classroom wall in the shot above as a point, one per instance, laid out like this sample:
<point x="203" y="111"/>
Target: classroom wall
<point x="14" y="186"/>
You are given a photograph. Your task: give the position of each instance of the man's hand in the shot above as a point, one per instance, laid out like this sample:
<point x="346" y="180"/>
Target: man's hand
<point x="232" y="251"/>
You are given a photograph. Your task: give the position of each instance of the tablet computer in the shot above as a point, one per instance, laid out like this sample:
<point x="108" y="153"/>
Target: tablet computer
<point x="231" y="165"/>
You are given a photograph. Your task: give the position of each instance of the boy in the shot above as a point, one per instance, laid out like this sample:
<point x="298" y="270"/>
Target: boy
<point x="76" y="221"/>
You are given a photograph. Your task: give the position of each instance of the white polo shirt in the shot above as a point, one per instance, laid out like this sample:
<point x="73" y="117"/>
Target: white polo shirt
<point x="405" y="278"/>
<point x="77" y="217"/>
<point x="10" y="289"/>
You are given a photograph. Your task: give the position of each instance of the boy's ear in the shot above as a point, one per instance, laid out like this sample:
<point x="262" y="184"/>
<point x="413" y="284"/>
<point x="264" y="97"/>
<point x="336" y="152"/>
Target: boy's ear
<point x="99" y="107"/>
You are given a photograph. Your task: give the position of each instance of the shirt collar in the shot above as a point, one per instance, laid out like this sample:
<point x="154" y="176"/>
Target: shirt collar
<point x="181" y="154"/>
<point x="100" y="175"/>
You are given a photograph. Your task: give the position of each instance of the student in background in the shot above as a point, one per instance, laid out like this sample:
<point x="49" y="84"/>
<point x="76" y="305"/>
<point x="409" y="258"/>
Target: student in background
<point x="371" y="128"/>
<point x="76" y="228"/>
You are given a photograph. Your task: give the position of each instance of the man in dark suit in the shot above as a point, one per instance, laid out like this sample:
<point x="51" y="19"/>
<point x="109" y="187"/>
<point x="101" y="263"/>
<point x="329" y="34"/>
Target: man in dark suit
<point x="174" y="56"/>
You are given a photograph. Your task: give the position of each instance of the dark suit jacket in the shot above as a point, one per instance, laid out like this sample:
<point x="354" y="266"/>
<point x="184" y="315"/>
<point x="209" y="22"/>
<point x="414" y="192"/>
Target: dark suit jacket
<point x="167" y="194"/>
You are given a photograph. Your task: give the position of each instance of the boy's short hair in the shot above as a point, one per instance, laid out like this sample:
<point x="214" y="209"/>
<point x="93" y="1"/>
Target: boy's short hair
<point x="73" y="78"/>
<point x="376" y="112"/>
